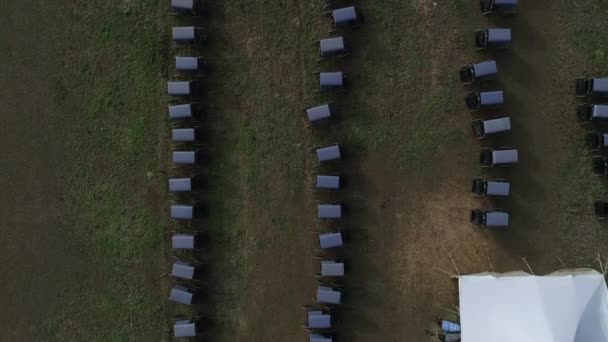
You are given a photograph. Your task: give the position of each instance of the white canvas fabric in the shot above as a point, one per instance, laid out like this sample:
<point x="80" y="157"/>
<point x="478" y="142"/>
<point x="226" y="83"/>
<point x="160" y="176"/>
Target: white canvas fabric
<point x="565" y="306"/>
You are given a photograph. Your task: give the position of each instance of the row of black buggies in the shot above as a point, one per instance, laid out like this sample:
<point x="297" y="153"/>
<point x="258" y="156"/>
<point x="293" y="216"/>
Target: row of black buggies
<point x="495" y="38"/>
<point x="597" y="142"/>
<point x="321" y="316"/>
<point x="185" y="108"/>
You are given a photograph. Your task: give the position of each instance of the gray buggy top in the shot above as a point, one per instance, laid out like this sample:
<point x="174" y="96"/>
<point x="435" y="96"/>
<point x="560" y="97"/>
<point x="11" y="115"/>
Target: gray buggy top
<point x="497" y="219"/>
<point x="180" y="184"/>
<point x="328" y="182"/>
<point x="182" y="270"/>
<point x="328" y="295"/>
<point x="318" y="113"/>
<point x="184" y="157"/>
<point x="186" y="63"/>
<point x="178" y="88"/>
<point x="331" y="46"/>
<point x="497" y="125"/>
<point x="182" y="241"/>
<point x="329" y="240"/>
<point x="318" y="320"/>
<point x="330" y="268"/>
<point x="329" y="211"/>
<point x="490" y="98"/>
<point x="498" y="188"/>
<point x="183" y="111"/>
<point x="600" y="85"/>
<point x="331" y="79"/>
<point x="485" y="69"/>
<point x="184" y="33"/>
<point x="180" y="294"/>
<point x="328" y="153"/>
<point x="319" y="338"/>
<point x="600" y="111"/>
<point x="182" y="212"/>
<point x="344" y="15"/>
<point x="183" y="134"/>
<point x="182" y="4"/>
<point x="499" y="35"/>
<point x="504" y="156"/>
<point x="185" y="328"/>
<point x="505" y="3"/>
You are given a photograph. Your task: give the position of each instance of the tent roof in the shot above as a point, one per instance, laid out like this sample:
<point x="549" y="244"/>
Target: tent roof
<point x="566" y="306"/>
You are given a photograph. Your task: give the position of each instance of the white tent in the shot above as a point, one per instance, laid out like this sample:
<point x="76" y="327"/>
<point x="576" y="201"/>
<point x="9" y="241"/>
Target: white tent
<point x="565" y="306"/>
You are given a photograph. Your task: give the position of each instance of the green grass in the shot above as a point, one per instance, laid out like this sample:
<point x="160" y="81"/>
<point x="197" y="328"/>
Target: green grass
<point x="115" y="80"/>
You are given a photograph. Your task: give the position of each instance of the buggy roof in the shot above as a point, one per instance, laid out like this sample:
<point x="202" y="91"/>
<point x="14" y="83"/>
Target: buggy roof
<point x="318" y="320"/>
<point x="183" y="134"/>
<point x="505" y="3"/>
<point x="184" y="328"/>
<point x="186" y="63"/>
<point x="328" y="182"/>
<point x="182" y="4"/>
<point x="184" y="157"/>
<point x="344" y="15"/>
<point x="182" y="269"/>
<point x="329" y="211"/>
<point x="331" y="79"/>
<point x="600" y="85"/>
<point x="184" y="33"/>
<point x="497" y="125"/>
<point x="328" y="153"/>
<point x="180" y="111"/>
<point x="498" y="188"/>
<point x="504" y="156"/>
<point x="330" y="45"/>
<point x="180" y="184"/>
<point x="499" y="35"/>
<point x="486" y="68"/>
<point x="600" y="111"/>
<point x="497" y="219"/>
<point x="182" y="212"/>
<point x="487" y="98"/>
<point x="318" y="113"/>
<point x="178" y="88"/>
<point x="182" y="241"/>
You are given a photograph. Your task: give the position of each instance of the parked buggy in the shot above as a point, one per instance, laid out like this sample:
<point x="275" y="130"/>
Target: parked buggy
<point x="489" y="157"/>
<point x="489" y="218"/>
<point x="184" y="111"/>
<point x="319" y="113"/>
<point x="332" y="80"/>
<point x="334" y="46"/>
<point x="476" y="100"/>
<point x="190" y="241"/>
<point x="188" y="35"/>
<point x="190" y="65"/>
<point x="591" y="87"/>
<point x="478" y="72"/>
<point x="498" y="188"/>
<point x="599" y="166"/>
<point x="187" y="328"/>
<point x="346" y="16"/>
<point x="497" y="6"/>
<point x="587" y="112"/>
<point x="596" y="141"/>
<point x="499" y="38"/>
<point x="184" y="7"/>
<point x="483" y="128"/>
<point x="184" y="89"/>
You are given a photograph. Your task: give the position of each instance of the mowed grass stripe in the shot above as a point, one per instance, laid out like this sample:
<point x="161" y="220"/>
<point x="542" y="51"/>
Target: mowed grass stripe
<point x="111" y="84"/>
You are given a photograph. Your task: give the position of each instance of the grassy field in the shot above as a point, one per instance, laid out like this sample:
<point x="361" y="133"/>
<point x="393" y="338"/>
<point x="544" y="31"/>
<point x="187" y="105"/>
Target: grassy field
<point x="86" y="139"/>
